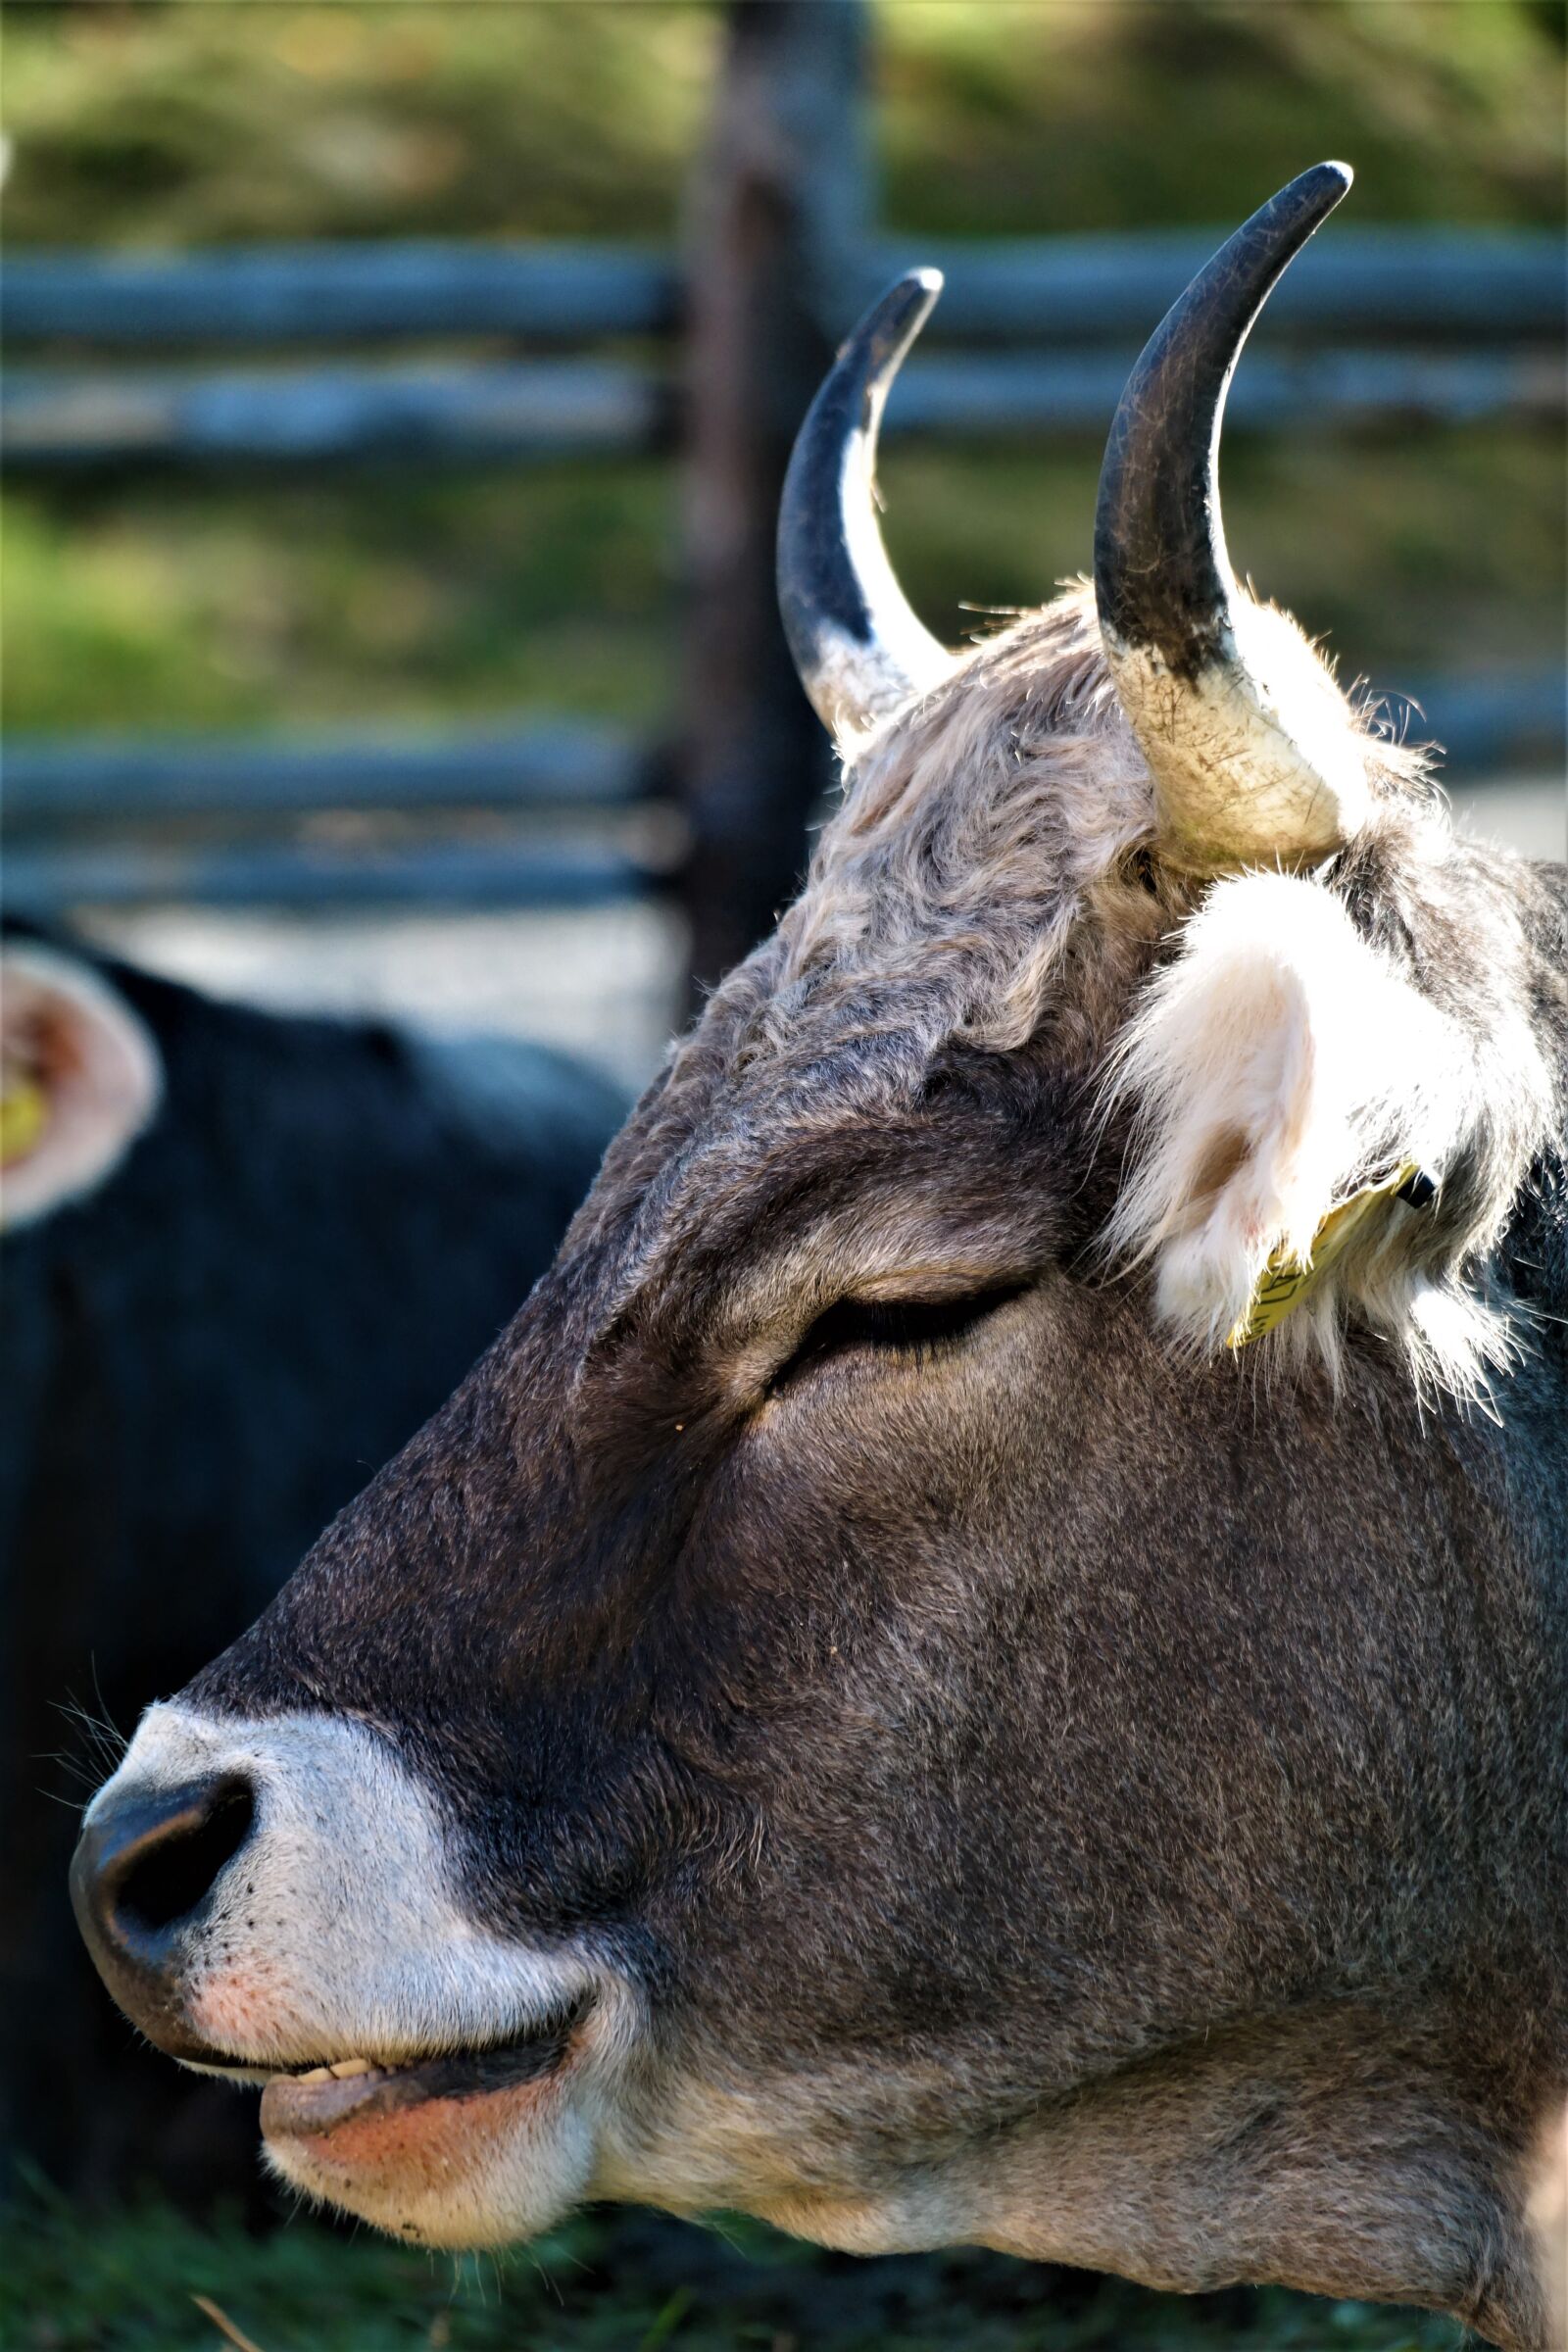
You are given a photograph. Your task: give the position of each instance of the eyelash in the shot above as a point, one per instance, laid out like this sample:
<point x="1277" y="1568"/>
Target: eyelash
<point x="919" y="1328"/>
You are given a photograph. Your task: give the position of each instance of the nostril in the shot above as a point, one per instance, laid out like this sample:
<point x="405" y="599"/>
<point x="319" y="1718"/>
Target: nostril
<point x="162" y="1876"/>
<point x="141" y="1882"/>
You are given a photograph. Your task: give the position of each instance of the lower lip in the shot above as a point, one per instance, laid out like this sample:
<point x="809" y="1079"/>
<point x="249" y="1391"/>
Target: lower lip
<point x="374" y="2117"/>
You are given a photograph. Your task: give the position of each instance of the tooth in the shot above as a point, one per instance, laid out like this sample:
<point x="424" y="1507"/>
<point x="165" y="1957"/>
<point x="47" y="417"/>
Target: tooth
<point x="317" y="2073"/>
<point x="344" y="2067"/>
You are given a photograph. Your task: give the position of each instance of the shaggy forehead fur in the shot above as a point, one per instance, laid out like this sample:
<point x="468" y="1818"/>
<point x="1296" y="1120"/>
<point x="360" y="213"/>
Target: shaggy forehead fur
<point x="979" y="826"/>
<point x="972" y="829"/>
<point x="974" y="834"/>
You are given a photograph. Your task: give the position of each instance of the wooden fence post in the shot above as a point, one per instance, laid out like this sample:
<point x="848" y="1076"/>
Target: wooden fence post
<point x="775" y="225"/>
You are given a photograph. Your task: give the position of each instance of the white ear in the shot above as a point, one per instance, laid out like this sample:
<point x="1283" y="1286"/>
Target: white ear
<point x="81" y="1077"/>
<point x="1279" y="1066"/>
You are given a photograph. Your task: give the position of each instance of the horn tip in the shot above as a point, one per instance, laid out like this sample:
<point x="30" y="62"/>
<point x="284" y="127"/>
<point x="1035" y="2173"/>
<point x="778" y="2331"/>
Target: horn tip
<point x="1325" y="184"/>
<point x="909" y="297"/>
<point x="878" y="345"/>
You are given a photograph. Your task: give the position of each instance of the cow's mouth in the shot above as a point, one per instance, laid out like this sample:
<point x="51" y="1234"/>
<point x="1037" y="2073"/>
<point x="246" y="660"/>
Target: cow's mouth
<point x="324" y="2098"/>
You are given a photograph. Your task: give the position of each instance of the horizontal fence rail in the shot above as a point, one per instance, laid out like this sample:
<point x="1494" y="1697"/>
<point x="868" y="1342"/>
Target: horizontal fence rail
<point x="49" y="881"/>
<point x="994" y="395"/>
<point x="1485" y="723"/>
<point x="569" y="765"/>
<point x="342" y="293"/>
<point x="556" y="409"/>
<point x="540" y="409"/>
<point x="1425" y="283"/>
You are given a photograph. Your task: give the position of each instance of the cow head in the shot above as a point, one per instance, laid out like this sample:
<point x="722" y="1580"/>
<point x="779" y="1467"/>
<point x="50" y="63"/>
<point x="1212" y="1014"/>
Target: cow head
<point x="863" y="1708"/>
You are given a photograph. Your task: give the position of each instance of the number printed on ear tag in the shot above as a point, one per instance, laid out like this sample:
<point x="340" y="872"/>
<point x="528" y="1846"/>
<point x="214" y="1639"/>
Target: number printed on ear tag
<point x="1286" y="1278"/>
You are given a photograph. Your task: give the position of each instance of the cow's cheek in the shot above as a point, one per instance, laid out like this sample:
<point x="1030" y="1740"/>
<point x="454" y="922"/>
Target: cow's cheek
<point x="468" y="2172"/>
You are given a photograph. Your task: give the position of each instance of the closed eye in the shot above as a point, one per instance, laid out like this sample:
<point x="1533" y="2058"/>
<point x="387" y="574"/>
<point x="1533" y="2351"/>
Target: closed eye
<point x="917" y="1329"/>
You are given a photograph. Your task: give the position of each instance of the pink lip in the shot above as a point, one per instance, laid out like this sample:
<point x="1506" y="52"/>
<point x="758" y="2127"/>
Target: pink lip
<point x="336" y="2109"/>
<point x="379" y="2156"/>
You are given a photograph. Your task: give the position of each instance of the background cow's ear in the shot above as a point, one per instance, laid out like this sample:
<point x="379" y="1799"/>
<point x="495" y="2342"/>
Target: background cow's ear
<point x="79" y="1079"/>
<point x="1277" y="1066"/>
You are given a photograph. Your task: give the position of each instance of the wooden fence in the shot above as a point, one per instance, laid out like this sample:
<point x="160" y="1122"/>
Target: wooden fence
<point x="710" y="355"/>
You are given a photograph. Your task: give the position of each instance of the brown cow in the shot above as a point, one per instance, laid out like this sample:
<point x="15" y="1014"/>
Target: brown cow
<point x="988" y="1656"/>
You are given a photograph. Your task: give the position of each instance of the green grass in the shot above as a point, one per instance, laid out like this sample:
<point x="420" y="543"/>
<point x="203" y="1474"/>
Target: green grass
<point x="1014" y="117"/>
<point x="153" y="123"/>
<point x="199" y="604"/>
<point x="176" y="604"/>
<point x="125" y="2281"/>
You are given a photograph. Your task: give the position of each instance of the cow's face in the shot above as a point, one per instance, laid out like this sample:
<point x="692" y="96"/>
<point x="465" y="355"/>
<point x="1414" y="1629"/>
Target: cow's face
<point x="653" y="1720"/>
<point x="838" y="1715"/>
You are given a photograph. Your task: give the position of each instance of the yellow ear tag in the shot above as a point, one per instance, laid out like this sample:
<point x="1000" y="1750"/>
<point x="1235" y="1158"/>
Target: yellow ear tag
<point x="24" y="1116"/>
<point x="1286" y="1278"/>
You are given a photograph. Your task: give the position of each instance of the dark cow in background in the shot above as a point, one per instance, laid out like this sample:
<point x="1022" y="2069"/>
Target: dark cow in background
<point x="244" y="1257"/>
<point x="987" y="1659"/>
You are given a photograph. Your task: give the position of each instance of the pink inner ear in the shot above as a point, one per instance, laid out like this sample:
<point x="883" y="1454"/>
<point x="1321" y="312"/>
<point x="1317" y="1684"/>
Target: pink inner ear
<point x="1220" y="1164"/>
<point x="62" y="1044"/>
<point x="64" y="1030"/>
<point x="1274" y="1066"/>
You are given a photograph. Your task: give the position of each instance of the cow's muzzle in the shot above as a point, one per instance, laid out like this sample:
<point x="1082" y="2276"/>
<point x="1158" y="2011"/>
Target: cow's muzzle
<point x="142" y="1881"/>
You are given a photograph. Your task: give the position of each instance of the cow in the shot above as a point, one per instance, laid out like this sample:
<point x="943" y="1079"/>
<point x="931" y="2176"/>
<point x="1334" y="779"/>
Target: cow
<point x="987" y="1659"/>
<point x="244" y="1256"/>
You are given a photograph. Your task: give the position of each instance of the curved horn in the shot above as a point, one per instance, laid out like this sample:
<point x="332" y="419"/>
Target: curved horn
<point x="859" y="648"/>
<point x="1252" y="749"/>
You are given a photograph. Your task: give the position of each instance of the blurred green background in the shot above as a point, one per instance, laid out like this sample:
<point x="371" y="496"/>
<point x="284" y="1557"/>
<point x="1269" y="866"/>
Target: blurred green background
<point x="156" y="602"/>
<point x="166" y="602"/>
<point x="610" y="2282"/>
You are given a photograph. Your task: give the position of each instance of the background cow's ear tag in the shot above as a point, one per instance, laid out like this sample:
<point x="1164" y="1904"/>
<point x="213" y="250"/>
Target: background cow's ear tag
<point x="24" y="1116"/>
<point x="1286" y="1278"/>
<point x="80" y="1077"/>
